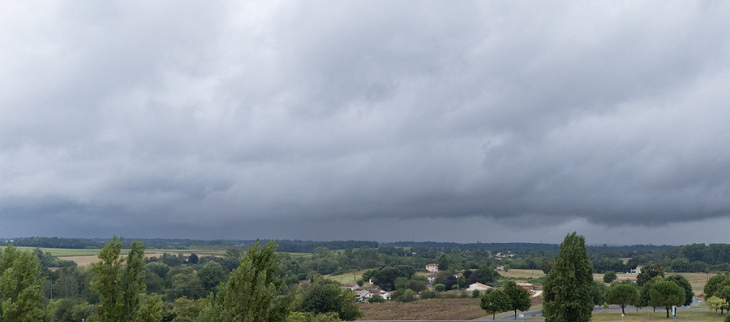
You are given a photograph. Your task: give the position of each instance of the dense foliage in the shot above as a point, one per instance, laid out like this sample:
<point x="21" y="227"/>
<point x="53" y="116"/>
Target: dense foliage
<point x="568" y="291"/>
<point x="293" y="278"/>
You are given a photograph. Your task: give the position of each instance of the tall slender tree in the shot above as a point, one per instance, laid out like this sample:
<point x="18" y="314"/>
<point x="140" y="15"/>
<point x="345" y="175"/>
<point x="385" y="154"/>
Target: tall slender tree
<point x="20" y="286"/>
<point x="251" y="291"/>
<point x="567" y="293"/>
<point x="119" y="282"/>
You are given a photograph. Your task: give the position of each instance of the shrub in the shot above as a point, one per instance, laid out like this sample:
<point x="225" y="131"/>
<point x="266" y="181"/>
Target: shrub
<point x="428" y="295"/>
<point x="439" y="287"/>
<point x="476" y="294"/>
<point x="376" y="299"/>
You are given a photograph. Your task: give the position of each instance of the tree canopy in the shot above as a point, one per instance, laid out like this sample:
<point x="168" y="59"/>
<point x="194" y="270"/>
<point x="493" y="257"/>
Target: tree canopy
<point x="622" y="294"/>
<point x="567" y="294"/>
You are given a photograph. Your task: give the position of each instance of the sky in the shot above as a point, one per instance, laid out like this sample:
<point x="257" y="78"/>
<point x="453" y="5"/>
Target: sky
<point x="465" y="121"/>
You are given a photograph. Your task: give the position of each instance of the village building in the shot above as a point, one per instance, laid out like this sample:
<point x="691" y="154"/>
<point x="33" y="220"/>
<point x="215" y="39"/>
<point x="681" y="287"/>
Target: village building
<point x="527" y="286"/>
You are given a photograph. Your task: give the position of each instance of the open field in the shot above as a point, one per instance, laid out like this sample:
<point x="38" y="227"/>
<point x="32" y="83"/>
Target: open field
<point x="432" y="309"/>
<point x="347" y="278"/>
<point x="84" y="257"/>
<point x="697" y="280"/>
<point x="659" y="315"/>
<point x="648" y="315"/>
<point x="523" y="273"/>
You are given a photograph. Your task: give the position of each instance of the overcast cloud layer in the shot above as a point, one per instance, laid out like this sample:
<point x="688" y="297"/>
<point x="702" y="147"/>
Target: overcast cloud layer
<point x="372" y="120"/>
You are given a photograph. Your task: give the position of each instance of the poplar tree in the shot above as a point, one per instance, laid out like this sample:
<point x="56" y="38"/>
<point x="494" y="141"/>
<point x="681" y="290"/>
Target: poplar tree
<point x="20" y="286"/>
<point x="118" y="282"/>
<point x="250" y="295"/>
<point x="567" y="293"/>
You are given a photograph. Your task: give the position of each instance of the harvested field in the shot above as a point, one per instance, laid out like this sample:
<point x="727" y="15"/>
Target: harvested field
<point x="87" y="260"/>
<point x="523" y="273"/>
<point x="432" y="309"/>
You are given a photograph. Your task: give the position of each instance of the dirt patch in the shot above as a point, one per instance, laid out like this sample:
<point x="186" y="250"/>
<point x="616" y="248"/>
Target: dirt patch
<point x="81" y="260"/>
<point x="431" y="309"/>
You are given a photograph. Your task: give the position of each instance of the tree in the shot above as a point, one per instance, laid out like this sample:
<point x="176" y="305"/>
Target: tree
<point x="150" y="309"/>
<point x="724" y="293"/>
<point x="567" y="290"/>
<point x="133" y="280"/>
<point x="118" y="282"/>
<point x="609" y="277"/>
<point x="713" y="284"/>
<point x="716" y="303"/>
<point x="387" y="275"/>
<point x="376" y="299"/>
<point x="193" y="258"/>
<point x="495" y="301"/>
<point x="251" y="291"/>
<point x="648" y="273"/>
<point x="622" y="294"/>
<point x="519" y="297"/>
<point x="599" y="293"/>
<point x="418" y="283"/>
<point x="211" y="275"/>
<point x="330" y="297"/>
<point x="20" y="286"/>
<point x="667" y="294"/>
<point x="684" y="284"/>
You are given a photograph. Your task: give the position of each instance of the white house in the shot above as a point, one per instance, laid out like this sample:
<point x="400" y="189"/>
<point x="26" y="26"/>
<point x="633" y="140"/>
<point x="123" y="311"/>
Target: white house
<point x="636" y="270"/>
<point x="478" y="286"/>
<point x="433" y="268"/>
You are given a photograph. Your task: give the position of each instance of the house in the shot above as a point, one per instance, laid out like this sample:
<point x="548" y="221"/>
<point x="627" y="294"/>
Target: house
<point x="362" y="295"/>
<point x="351" y="287"/>
<point x="527" y="286"/>
<point x="431" y="278"/>
<point x="433" y="268"/>
<point x="500" y="268"/>
<point x="383" y="294"/>
<point x="636" y="270"/>
<point x="505" y="255"/>
<point x="479" y="287"/>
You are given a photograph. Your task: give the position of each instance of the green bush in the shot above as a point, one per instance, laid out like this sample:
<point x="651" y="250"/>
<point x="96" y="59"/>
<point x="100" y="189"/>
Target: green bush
<point x="439" y="287"/>
<point x="476" y="294"/>
<point x="376" y="299"/>
<point x="727" y="318"/>
<point x="428" y="295"/>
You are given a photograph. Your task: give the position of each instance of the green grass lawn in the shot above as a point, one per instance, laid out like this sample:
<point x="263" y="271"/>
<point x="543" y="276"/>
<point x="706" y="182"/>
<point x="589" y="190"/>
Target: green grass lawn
<point x="659" y="315"/>
<point x="347" y="278"/>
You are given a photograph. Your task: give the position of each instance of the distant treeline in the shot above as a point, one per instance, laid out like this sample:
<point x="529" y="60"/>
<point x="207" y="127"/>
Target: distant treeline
<point x="292" y="246"/>
<point x="302" y="246"/>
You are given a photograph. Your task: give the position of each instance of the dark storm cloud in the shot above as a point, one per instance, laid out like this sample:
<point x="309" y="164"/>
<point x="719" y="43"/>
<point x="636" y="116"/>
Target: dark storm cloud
<point x="199" y="120"/>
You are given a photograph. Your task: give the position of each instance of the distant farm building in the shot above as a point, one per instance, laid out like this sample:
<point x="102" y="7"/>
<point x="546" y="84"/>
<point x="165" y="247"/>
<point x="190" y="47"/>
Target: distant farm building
<point x="478" y="287"/>
<point x="433" y="268"/>
<point x="527" y="286"/>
